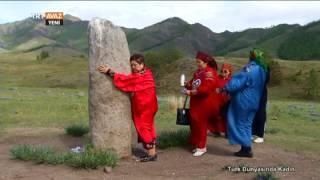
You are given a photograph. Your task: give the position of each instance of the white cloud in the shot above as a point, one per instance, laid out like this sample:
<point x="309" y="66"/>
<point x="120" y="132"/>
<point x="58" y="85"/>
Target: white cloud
<point x="217" y="15"/>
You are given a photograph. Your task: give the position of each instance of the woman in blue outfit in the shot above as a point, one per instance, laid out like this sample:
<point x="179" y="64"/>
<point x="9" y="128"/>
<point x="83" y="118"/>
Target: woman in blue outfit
<point x="245" y="89"/>
<point x="260" y="118"/>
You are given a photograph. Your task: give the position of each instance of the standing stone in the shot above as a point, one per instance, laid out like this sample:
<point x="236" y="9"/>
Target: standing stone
<point x="109" y="109"/>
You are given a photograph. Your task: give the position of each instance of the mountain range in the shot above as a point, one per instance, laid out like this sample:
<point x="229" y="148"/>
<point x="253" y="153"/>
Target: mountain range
<point x="284" y="41"/>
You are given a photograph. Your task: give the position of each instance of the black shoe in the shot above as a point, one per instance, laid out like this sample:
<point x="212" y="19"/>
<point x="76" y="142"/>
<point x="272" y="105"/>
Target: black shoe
<point x="149" y="158"/>
<point x="226" y="136"/>
<point x="243" y="153"/>
<point x="142" y="157"/>
<point x="239" y="152"/>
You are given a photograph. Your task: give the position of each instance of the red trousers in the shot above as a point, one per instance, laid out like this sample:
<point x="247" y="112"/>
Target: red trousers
<point x="217" y="124"/>
<point x="144" y="107"/>
<point x="201" y="111"/>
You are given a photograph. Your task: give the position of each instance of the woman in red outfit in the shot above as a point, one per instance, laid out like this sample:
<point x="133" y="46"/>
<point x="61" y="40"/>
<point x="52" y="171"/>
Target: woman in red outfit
<point x="217" y="125"/>
<point x="201" y="91"/>
<point x="140" y="83"/>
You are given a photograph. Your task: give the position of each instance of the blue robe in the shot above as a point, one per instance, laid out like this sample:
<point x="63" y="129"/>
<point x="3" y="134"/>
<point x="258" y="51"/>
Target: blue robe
<point x="245" y="89"/>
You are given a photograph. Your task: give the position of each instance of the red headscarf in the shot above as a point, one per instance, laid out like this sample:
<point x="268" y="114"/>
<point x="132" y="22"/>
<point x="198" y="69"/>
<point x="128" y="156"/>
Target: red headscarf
<point x="207" y="59"/>
<point x="227" y="66"/>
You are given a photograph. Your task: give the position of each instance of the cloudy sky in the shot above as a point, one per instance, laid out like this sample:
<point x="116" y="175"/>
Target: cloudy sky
<point x="218" y="15"/>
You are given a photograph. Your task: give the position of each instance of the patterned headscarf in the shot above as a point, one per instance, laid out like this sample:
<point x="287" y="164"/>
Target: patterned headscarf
<point x="260" y="58"/>
<point x="227" y="66"/>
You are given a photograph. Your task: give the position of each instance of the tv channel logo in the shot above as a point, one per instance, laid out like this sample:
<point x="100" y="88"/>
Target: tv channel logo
<point x="50" y="18"/>
<point x="54" y="18"/>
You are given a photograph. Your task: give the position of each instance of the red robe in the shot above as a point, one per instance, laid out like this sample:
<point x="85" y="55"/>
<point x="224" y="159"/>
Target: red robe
<point x="224" y="96"/>
<point x="202" y="104"/>
<point x="143" y="102"/>
<point x="218" y="124"/>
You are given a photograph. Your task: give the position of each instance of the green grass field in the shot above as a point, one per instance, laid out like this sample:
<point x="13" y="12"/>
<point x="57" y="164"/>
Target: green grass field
<point x="294" y="125"/>
<point x="53" y="93"/>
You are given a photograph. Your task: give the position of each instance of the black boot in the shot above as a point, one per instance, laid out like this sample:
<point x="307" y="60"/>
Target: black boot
<point x="149" y="158"/>
<point x="240" y="151"/>
<point x="245" y="151"/>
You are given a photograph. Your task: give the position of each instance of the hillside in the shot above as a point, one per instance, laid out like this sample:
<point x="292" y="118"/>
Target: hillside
<point x="284" y="41"/>
<point x="30" y="34"/>
<point x="173" y="33"/>
<point x="302" y="44"/>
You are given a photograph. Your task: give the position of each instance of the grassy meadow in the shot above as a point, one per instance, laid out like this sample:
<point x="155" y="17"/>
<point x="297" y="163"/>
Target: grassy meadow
<point x="53" y="93"/>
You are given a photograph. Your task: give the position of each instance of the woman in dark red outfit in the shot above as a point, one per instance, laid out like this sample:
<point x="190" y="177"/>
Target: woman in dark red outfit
<point x="202" y="96"/>
<point x="140" y="83"/>
<point x="217" y="125"/>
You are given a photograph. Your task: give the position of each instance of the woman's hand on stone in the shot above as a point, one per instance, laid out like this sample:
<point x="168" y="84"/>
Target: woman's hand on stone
<point x="103" y="69"/>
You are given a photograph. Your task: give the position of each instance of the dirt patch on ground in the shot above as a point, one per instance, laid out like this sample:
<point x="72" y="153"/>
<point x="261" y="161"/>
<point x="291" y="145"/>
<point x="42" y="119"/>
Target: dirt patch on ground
<point x="175" y="163"/>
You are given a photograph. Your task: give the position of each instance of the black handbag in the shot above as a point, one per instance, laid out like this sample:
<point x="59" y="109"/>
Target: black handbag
<point x="183" y="114"/>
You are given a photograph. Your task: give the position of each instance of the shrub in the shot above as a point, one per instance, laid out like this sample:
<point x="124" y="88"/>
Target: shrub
<point x="22" y="152"/>
<point x="265" y="176"/>
<point x="89" y="159"/>
<point x="312" y="89"/>
<point x="275" y="73"/>
<point x="156" y="59"/>
<point x="77" y="130"/>
<point x="43" y="55"/>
